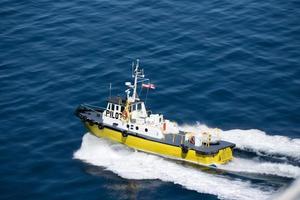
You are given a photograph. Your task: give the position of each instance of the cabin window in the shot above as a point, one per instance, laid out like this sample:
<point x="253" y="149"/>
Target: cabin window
<point x="117" y="108"/>
<point x="139" y="106"/>
<point x="137" y="128"/>
<point x="122" y="108"/>
<point x="113" y="107"/>
<point x="108" y="106"/>
<point x="133" y="107"/>
<point x="146" y="130"/>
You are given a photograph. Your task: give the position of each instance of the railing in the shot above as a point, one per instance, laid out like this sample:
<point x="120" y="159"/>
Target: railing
<point x="188" y="138"/>
<point x="93" y="108"/>
<point x="171" y="137"/>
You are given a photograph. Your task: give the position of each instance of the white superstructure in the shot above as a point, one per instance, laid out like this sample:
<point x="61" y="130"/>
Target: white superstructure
<point x="131" y="114"/>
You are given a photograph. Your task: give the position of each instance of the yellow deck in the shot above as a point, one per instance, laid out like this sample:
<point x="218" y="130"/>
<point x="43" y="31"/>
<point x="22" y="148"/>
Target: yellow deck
<point x="222" y="157"/>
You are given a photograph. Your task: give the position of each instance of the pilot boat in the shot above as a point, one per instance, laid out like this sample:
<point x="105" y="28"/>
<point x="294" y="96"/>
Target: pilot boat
<point x="126" y="120"/>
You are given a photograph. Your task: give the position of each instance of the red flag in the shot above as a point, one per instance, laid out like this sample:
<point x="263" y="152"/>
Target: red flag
<point x="149" y="86"/>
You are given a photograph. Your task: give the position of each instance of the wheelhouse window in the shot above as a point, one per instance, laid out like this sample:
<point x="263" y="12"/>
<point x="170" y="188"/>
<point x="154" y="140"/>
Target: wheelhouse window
<point x="139" y="106"/>
<point x="133" y="107"/>
<point x="108" y="106"/>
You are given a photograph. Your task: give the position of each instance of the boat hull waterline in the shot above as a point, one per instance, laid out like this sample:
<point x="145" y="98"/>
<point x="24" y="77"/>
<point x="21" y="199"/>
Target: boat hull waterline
<point x="171" y="151"/>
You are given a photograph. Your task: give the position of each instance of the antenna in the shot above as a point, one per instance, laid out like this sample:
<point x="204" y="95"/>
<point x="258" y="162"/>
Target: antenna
<point x="137" y="63"/>
<point x="132" y="66"/>
<point x="109" y="90"/>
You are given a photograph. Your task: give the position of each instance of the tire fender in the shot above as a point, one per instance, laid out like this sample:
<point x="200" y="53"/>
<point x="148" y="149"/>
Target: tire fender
<point x="124" y="133"/>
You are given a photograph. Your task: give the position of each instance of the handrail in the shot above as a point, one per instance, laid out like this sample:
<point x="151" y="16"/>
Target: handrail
<point x="181" y="136"/>
<point x="92" y="106"/>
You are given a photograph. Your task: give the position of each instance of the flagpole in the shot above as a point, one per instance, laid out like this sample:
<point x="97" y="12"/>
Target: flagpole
<point x="146" y="96"/>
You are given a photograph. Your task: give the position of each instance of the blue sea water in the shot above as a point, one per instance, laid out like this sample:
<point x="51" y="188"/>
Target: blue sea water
<point x="227" y="64"/>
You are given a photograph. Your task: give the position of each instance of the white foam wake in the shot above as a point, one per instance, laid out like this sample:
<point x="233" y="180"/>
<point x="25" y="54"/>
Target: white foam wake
<point x="257" y="141"/>
<point x="136" y="165"/>
<point x="267" y="168"/>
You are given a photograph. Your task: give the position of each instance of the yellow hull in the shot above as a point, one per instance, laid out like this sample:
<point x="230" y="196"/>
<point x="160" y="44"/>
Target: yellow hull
<point x="175" y="152"/>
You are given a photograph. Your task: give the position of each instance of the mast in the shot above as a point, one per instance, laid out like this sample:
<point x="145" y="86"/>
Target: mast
<point x="138" y="75"/>
<point x="135" y="80"/>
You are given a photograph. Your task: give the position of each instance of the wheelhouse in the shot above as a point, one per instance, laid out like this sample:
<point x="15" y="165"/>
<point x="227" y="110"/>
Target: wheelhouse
<point x="115" y="107"/>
